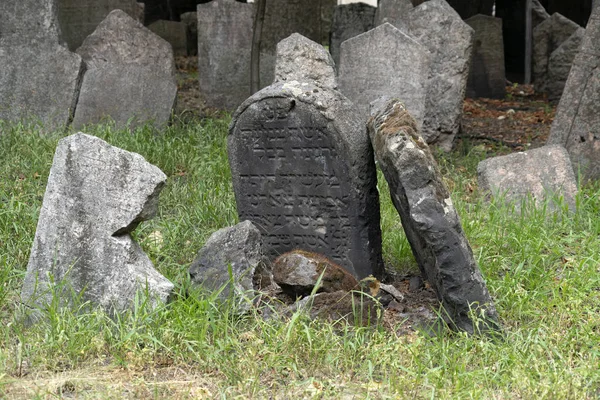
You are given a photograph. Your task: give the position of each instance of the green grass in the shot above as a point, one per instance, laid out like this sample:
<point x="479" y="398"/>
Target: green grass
<point x="541" y="268"/>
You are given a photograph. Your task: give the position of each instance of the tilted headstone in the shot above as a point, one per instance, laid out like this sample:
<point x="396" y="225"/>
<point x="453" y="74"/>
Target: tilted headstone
<point x="429" y="219"/>
<point x="541" y="173"/>
<point x="130" y="77"/>
<point x="393" y="11"/>
<point x="577" y="122"/>
<point x="303" y="173"/>
<point x="449" y="39"/>
<point x="224" y="48"/>
<point x="538" y="13"/>
<point x="174" y="32"/>
<point x="349" y="20"/>
<point x="547" y="37"/>
<point x="301" y="59"/>
<point x="559" y="64"/>
<point x="96" y="196"/>
<point x="190" y="19"/>
<point x="384" y="62"/>
<point x="486" y="76"/>
<point x="79" y="18"/>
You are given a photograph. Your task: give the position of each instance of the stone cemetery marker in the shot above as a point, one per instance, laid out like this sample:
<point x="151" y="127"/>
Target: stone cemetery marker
<point x="303" y="173"/>
<point x="540" y="173"/>
<point x="449" y="39"/>
<point x="96" y="196"/>
<point x="577" y="122"/>
<point x="559" y="64"/>
<point x="190" y="19"/>
<point x="173" y="32"/>
<point x="486" y="76"/>
<point x="301" y="59"/>
<point x="384" y="62"/>
<point x="393" y="11"/>
<point x="27" y="21"/>
<point x="429" y="219"/>
<point x="538" y="13"/>
<point x="224" y="46"/>
<point x="130" y="75"/>
<point x="349" y="20"/>
<point x="79" y="18"/>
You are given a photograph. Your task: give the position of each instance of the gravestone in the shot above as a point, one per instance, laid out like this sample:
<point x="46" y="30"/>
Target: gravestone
<point x="540" y="173"/>
<point x="190" y="19"/>
<point x="301" y="59"/>
<point x="559" y="64"/>
<point x="449" y="39"/>
<point x="79" y="18"/>
<point x="538" y="13"/>
<point x="393" y="11"/>
<point x="577" y="122"/>
<point x="349" y="20"/>
<point x="384" y="62"/>
<point x="130" y="77"/>
<point x="224" y="47"/>
<point x="429" y="219"/>
<point x="303" y="173"/>
<point x="96" y="196"/>
<point x="174" y="32"/>
<point x="486" y="76"/>
<point x="547" y="37"/>
<point x="27" y="21"/>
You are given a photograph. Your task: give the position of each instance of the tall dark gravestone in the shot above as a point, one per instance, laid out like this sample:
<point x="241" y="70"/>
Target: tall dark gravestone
<point x="303" y="173"/>
<point x="349" y="20"/>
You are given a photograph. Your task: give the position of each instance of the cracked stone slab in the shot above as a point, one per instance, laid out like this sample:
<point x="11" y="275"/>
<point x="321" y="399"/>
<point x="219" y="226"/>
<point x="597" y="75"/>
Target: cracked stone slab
<point x="96" y="196"/>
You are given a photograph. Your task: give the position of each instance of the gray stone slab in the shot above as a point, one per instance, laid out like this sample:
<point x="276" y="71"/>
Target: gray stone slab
<point x="486" y="76"/>
<point x="224" y="48"/>
<point x="191" y="21"/>
<point x="349" y="20"/>
<point x="27" y="21"/>
<point x="538" y="13"/>
<point x="303" y="172"/>
<point x="559" y="64"/>
<point x="429" y="219"/>
<point x="130" y="77"/>
<point x="301" y="59"/>
<point x="577" y="122"/>
<point x="394" y="12"/>
<point x="542" y="174"/>
<point x="174" y="32"/>
<point x="96" y="196"/>
<point x="384" y="62"/>
<point x="79" y="18"/>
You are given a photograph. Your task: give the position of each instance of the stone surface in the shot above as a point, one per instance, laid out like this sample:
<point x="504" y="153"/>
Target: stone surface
<point x="393" y="11"/>
<point x="301" y="59"/>
<point x="303" y="172"/>
<point x="538" y="13"/>
<point x="547" y="37"/>
<point x="449" y="39"/>
<point x="577" y="122"/>
<point x="224" y="47"/>
<point x="541" y="173"/>
<point x="384" y="62"/>
<point x="429" y="219"/>
<point x="349" y="20"/>
<point x="96" y="196"/>
<point x="240" y="248"/>
<point x="486" y="76"/>
<point x="130" y="77"/>
<point x="298" y="272"/>
<point x="79" y="18"/>
<point x="28" y="21"/>
<point x="559" y="64"/>
<point x="174" y="32"/>
<point x="190" y="19"/>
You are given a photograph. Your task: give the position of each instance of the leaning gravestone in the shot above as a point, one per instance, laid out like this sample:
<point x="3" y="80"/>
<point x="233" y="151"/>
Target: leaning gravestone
<point x="28" y="21"/>
<point x="486" y="76"/>
<point x="577" y="122"/>
<point x="559" y="64"/>
<point x="130" y="75"/>
<point x="303" y="173"/>
<point x="349" y="20"/>
<point x="79" y="18"/>
<point x="96" y="196"/>
<point x="384" y="62"/>
<point x="174" y="32"/>
<point x="393" y="11"/>
<point x="224" y="47"/>
<point x="429" y="219"/>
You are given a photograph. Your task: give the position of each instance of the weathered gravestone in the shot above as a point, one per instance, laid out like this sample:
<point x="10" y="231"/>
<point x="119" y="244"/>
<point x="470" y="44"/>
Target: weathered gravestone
<point x="547" y="37"/>
<point x="384" y="62"/>
<point x="393" y="11"/>
<point x="429" y="219"/>
<point x="224" y="47"/>
<point x="190" y="19"/>
<point x="540" y="173"/>
<point x="130" y="75"/>
<point x="538" y="13"/>
<point x="303" y="172"/>
<point x="174" y="32"/>
<point x="96" y="196"/>
<point x="577" y="122"/>
<point x="559" y="64"/>
<point x="39" y="79"/>
<point x="79" y="18"/>
<point x="486" y="76"/>
<point x="349" y="20"/>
